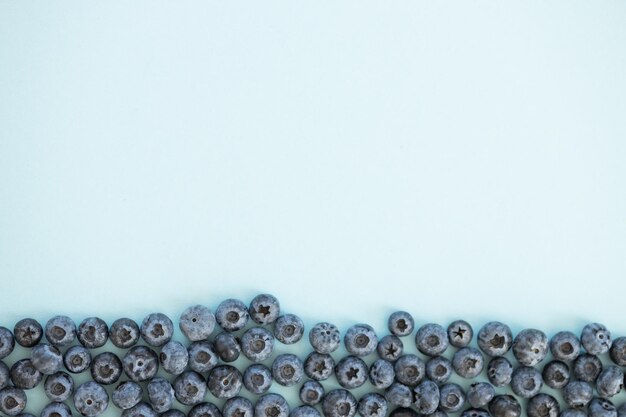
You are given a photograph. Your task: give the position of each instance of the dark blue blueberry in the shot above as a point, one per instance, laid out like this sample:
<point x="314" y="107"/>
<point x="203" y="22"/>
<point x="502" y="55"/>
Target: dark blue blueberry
<point x="390" y="348"/>
<point x="543" y="405"/>
<point x="431" y="339"/>
<point x="106" y="368"/>
<point x="480" y="394"/>
<point x="288" y="329"/>
<point x="319" y="366"/>
<point x="460" y="333"/>
<point x="475" y="412"/>
<point x="264" y="309"/>
<point x="24" y="375"/>
<point x="46" y="359"/>
<point x="618" y="351"/>
<point x="287" y="369"/>
<point x="225" y="381"/>
<point x="60" y="331"/>
<point x="409" y="412"/>
<point x="173" y="413"/>
<point x="360" y="340"/>
<point x="257" y="378"/>
<point x="59" y="386"/>
<point x="190" y="388"/>
<point x="382" y="374"/>
<point x="197" y="323"/>
<point x="205" y="409"/>
<point x="140" y="410"/>
<point x="311" y="392"/>
<point x="495" y="338"/>
<point x="257" y="344"/>
<point x="55" y="409"/>
<point x="451" y="397"/>
<point x="227" y="347"/>
<point x="77" y="359"/>
<point x="324" y="337"/>
<point x="401" y="323"/>
<point x="124" y="333"/>
<point x="468" y="362"/>
<point x="409" y="369"/>
<point x="304" y="411"/>
<point x="339" y="403"/>
<point x="426" y="397"/>
<point x="565" y="346"/>
<point x="526" y="381"/>
<point x="271" y="405"/>
<point x="439" y="369"/>
<point x="530" y="347"/>
<point x="555" y="374"/>
<point x="93" y="332"/>
<point x="372" y="404"/>
<point x="140" y="363"/>
<point x="126" y="395"/>
<point x="499" y="371"/>
<point x="7" y="342"/>
<point x="174" y="357"/>
<point x="596" y="338"/>
<point x="238" y="407"/>
<point x="160" y="394"/>
<point x="399" y="395"/>
<point x="600" y="407"/>
<point x="5" y="376"/>
<point x="610" y="381"/>
<point x="91" y="399"/>
<point x="587" y="367"/>
<point x="12" y="401"/>
<point x="505" y="406"/>
<point x="232" y="315"/>
<point x="202" y="356"/>
<point x="571" y="412"/>
<point x="621" y="411"/>
<point x="157" y="329"/>
<point x="577" y="394"/>
<point x="28" y="332"/>
<point x="351" y="372"/>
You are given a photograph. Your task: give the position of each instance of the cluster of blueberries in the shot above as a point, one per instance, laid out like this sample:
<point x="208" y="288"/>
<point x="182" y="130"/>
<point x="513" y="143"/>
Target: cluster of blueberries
<point x="404" y="384"/>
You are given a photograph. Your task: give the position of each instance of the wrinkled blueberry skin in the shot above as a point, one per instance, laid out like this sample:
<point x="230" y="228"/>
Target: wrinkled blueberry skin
<point x="480" y="394"/>
<point x="127" y="395"/>
<point x="555" y="374"/>
<point x="197" y="323"/>
<point x="12" y="401"/>
<point x="5" y="376"/>
<point x="304" y="411"/>
<point x="530" y="347"/>
<point x="587" y="367"/>
<point x="24" y="375"/>
<point x="451" y="398"/>
<point x="172" y="413"/>
<point x="55" y="409"/>
<point x="257" y="344"/>
<point x="60" y="331"/>
<point x="360" y="340"/>
<point x="140" y="363"/>
<point x="287" y="369"/>
<point x="351" y="372"/>
<point x="77" y="359"/>
<point x="565" y="346"/>
<point x="543" y="405"/>
<point x="460" y="333"/>
<point x="91" y="399"/>
<point x="319" y="366"/>
<point x="339" y="403"/>
<point x="499" y="371"/>
<point x="409" y="369"/>
<point x="288" y="329"/>
<point x="59" y="386"/>
<point x="124" y="333"/>
<point x="202" y="356"/>
<point x="571" y="412"/>
<point x="526" y="381"/>
<point x="401" y="323"/>
<point x="431" y="339"/>
<point x="390" y="348"/>
<point x="190" y="388"/>
<point x="399" y="395"/>
<point x="140" y="410"/>
<point x="232" y="315"/>
<point x="439" y="369"/>
<point x="600" y="407"/>
<point x="238" y="407"/>
<point x="46" y="359"/>
<point x="225" y="381"/>
<point x="577" y="394"/>
<point x="372" y="404"/>
<point x="106" y="368"/>
<point x="204" y="409"/>
<point x="381" y="374"/>
<point x="257" y="378"/>
<point x="174" y="357"/>
<point x="93" y="332"/>
<point x="7" y="342"/>
<point x="505" y="406"/>
<point x="610" y="381"/>
<point x="311" y="392"/>
<point x="226" y="346"/>
<point x="426" y="397"/>
<point x="495" y="338"/>
<point x="596" y="339"/>
<point x="271" y="405"/>
<point x="468" y="362"/>
<point x="264" y="309"/>
<point x="157" y="329"/>
<point x="160" y="394"/>
<point x="28" y="332"/>
<point x="324" y="337"/>
<point x="618" y="352"/>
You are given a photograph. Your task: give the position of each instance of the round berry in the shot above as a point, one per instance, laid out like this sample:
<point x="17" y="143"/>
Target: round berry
<point x="232" y="315"/>
<point x="288" y="329"/>
<point x="157" y="329"/>
<point x="264" y="309"/>
<point x="460" y="333"/>
<point x="60" y="331"/>
<point x="93" y="332"/>
<point x="401" y="323"/>
<point x="197" y="323"/>
<point x="28" y="332"/>
<point x="124" y="333"/>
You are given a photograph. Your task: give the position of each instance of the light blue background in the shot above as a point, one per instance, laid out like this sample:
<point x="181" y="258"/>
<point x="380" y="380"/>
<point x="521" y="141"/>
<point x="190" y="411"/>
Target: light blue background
<point x="454" y="159"/>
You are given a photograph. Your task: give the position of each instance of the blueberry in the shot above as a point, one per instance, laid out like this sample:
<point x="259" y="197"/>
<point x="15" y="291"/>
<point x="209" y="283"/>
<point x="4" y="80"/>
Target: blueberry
<point x="621" y="411"/>
<point x="571" y="412"/>
<point x="93" y="332"/>
<point x="505" y="406"/>
<point x="543" y="405"/>
<point x="390" y="348"/>
<point x="46" y="359"/>
<point x="157" y="329"/>
<point x="495" y="338"/>
<point x="468" y="362"/>
<point x="460" y="333"/>
<point x="372" y="404"/>
<point x="401" y="323"/>
<point x="140" y="363"/>
<point x="596" y="339"/>
<point x="227" y="347"/>
<point x="60" y="331"/>
<point x="5" y="376"/>
<point x="225" y="381"/>
<point x="12" y="401"/>
<point x="399" y="395"/>
<point x="124" y="333"/>
<point x="351" y="372"/>
<point x="91" y="399"/>
<point x="360" y="340"/>
<point x="264" y="309"/>
<point x="530" y="347"/>
<point x="106" y="368"/>
<point x="304" y="411"/>
<point x="55" y="409"/>
<point x="587" y="367"/>
<point x="59" y="386"/>
<point x="174" y="357"/>
<point x="7" y="342"/>
<point x="24" y="375"/>
<point x="565" y="346"/>
<point x="28" y="332"/>
<point x="232" y="315"/>
<point x="202" y="356"/>
<point x="287" y="369"/>
<point x="257" y="378"/>
<point x="238" y="407"/>
<point x="324" y="337"/>
<point x="526" y="381"/>
<point x="452" y="397"/>
<point x="288" y="329"/>
<point x="76" y="359"/>
<point x="439" y="369"/>
<point x="475" y="412"/>
<point x="257" y="344"/>
<point x="555" y="374"/>
<point x="610" y="381"/>
<point x="160" y="394"/>
<point x="311" y="392"/>
<point x="205" y="409"/>
<point x="126" y="395"/>
<point x="319" y="366"/>
<point x="190" y="388"/>
<point x="172" y="413"/>
<point x="409" y="369"/>
<point x="381" y="374"/>
<point x="271" y="405"/>
<point x="140" y="410"/>
<point x="431" y="339"/>
<point x="499" y="371"/>
<point x="577" y="394"/>
<point x="618" y="351"/>
<point x="409" y="412"/>
<point x="339" y="403"/>
<point x="426" y="397"/>
<point x="197" y="323"/>
<point x="480" y="394"/>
